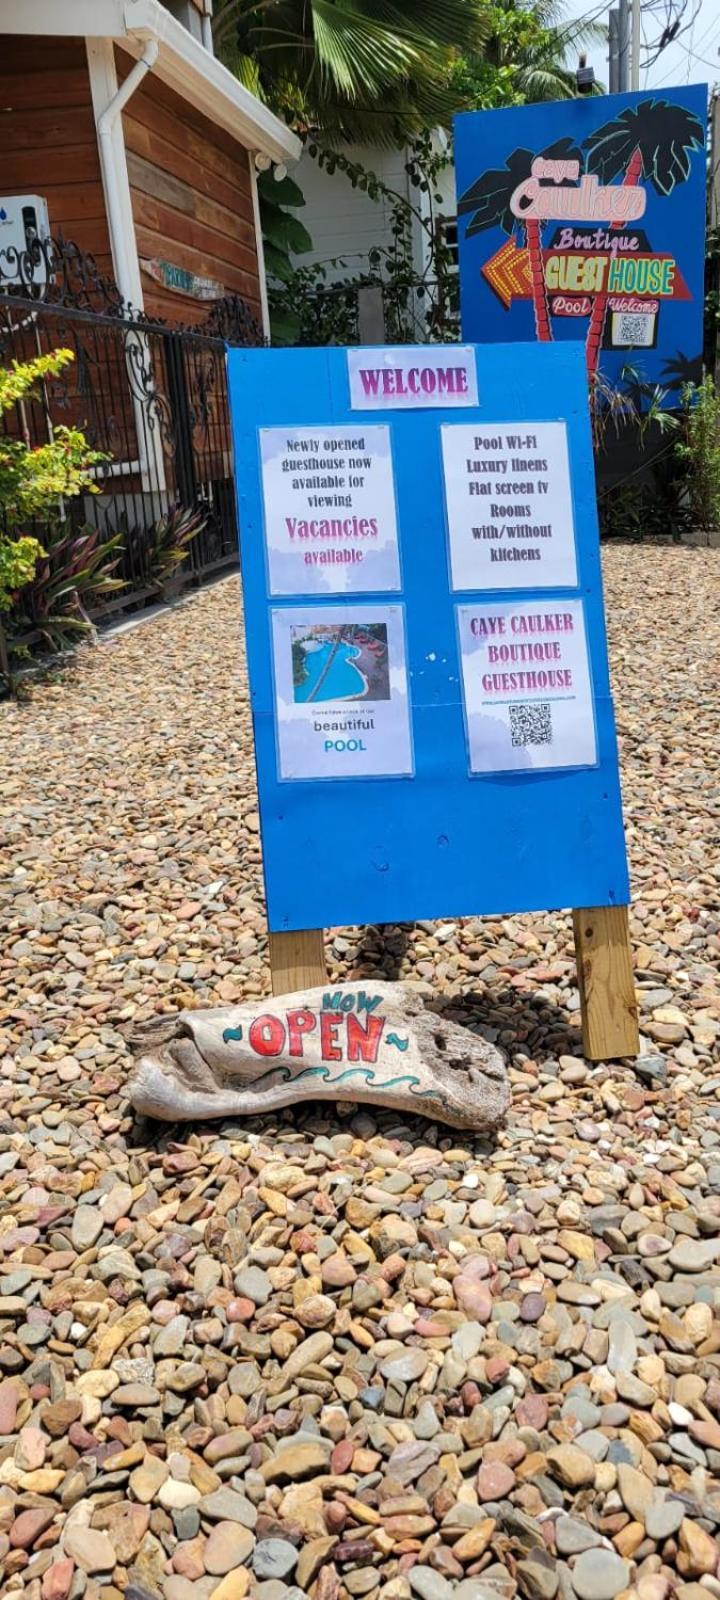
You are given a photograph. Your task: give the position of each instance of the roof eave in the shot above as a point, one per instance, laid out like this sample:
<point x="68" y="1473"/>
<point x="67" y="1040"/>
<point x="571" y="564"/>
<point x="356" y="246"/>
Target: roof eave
<point x="183" y="62"/>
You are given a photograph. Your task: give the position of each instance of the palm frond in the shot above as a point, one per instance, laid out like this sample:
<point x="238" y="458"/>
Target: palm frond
<point x="665" y="134"/>
<point x="378" y="70"/>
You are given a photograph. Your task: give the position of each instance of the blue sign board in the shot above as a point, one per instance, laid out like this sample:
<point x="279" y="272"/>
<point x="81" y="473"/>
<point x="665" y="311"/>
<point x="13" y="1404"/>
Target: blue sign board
<point x="433" y="724"/>
<point x="585" y="220"/>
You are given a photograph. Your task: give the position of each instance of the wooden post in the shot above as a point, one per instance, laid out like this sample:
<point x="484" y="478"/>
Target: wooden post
<point x="370" y="314"/>
<point x="297" y="960"/>
<point x="605" y="978"/>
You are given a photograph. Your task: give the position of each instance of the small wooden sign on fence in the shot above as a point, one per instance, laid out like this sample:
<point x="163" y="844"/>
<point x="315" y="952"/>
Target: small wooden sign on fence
<point x="434" y="729"/>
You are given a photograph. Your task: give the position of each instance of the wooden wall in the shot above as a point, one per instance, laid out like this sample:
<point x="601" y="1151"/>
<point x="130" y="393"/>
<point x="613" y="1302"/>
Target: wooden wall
<point x="47" y="137"/>
<point x="191" y="198"/>
<point x="189" y="180"/>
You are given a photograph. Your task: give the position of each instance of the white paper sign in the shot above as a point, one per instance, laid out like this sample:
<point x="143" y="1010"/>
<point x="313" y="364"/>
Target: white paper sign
<point x="384" y="377"/>
<point x="341" y="697"/>
<point x="329" y="500"/>
<point x="526" y="681"/>
<point x="509" y="505"/>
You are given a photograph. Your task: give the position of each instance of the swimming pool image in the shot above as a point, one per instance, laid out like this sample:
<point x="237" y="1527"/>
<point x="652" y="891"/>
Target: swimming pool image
<point x="332" y="663"/>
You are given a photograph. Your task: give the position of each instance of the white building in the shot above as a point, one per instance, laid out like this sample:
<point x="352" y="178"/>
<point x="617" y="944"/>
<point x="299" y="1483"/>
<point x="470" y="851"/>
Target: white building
<point x="345" y="225"/>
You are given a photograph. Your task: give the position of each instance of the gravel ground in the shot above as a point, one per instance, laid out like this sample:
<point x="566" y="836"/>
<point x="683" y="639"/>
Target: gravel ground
<point x="332" y="1353"/>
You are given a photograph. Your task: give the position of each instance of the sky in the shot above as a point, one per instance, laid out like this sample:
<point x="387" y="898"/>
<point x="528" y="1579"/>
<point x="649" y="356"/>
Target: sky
<point x="692" y="57"/>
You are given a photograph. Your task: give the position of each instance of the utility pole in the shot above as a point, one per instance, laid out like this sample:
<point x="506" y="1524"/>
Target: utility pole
<point x="623" y="46"/>
<point x="613" y="40"/>
<point x="636" y="44"/>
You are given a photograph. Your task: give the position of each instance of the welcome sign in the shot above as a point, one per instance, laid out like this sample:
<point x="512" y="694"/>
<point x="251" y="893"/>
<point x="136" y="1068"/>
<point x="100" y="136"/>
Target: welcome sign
<point x="433" y="725"/>
<point x="403" y="375"/>
<point x="585" y="219"/>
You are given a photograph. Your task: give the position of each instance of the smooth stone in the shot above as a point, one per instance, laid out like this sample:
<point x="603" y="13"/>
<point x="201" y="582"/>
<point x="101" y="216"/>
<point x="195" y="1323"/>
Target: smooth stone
<point x="29" y="1525"/>
<point x="694" y="1255"/>
<point x="171" y="1339"/>
<point x="495" y="1480"/>
<point x="90" y="1549"/>
<point x="573" y="1467"/>
<point x="228" y="1505"/>
<point x="663" y="1517"/>
<point x="297" y="1461"/>
<point x="405" y="1366"/>
<point x="253" y="1284"/>
<point x="622" y="1349"/>
<point x="636" y="1491"/>
<point x="467" y="1340"/>
<point x="573" y="1536"/>
<point x="228" y="1545"/>
<point x="538" y="1575"/>
<point x="578" y="1406"/>
<point x="426" y="1423"/>
<point x="274" y="1558"/>
<point x="429" y="1584"/>
<point x="177" y="1496"/>
<point x="634" y="1390"/>
<point x="148" y="1478"/>
<point x="599" y="1575"/>
<point x="88" y="1224"/>
<point x="594" y="1443"/>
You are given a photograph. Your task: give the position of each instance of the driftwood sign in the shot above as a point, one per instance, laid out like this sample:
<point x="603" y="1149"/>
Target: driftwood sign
<point x="368" y="1042"/>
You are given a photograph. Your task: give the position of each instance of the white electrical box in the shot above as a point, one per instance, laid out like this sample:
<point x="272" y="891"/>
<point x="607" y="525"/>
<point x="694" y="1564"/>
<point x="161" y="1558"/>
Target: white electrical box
<point x="23" y="218"/>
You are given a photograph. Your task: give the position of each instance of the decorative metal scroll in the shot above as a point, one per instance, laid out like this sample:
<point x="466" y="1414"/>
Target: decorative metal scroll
<point x="56" y="272"/>
<point x="150" y="394"/>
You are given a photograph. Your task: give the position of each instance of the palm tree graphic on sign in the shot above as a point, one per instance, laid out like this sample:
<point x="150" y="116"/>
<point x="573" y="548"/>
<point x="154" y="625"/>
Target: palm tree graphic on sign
<point x="651" y="142"/>
<point x="489" y="199"/>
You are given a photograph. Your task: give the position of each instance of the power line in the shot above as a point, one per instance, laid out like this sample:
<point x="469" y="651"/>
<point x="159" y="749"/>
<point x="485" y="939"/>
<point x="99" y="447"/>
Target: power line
<point x="706" y="31"/>
<point x="673" y="29"/>
<point x="580" y="22"/>
<point x="689" y="52"/>
<point x="694" y="57"/>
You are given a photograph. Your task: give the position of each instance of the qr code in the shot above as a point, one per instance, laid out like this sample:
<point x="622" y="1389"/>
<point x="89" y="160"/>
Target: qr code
<point x="531" y="724"/>
<point x="632" y="330"/>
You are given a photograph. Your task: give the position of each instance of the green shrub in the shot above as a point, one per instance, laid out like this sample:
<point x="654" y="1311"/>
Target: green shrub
<point x="699" y="449"/>
<point x="33" y="482"/>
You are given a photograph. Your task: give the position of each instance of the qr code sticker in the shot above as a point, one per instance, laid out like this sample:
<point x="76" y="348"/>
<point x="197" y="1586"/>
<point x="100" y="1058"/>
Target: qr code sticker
<point x="635" y="330"/>
<point x="531" y="724"/>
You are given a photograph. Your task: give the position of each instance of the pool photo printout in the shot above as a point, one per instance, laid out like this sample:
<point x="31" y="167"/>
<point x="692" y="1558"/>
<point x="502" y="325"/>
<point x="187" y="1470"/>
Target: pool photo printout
<point x="341" y="694"/>
<point x="526" y="683"/>
<point x="329" y="500"/>
<point x="509" y="505"/>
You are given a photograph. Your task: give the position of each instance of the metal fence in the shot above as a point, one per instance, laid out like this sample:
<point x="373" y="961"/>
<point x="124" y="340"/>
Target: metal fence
<point x="150" y="395"/>
<point x="402" y="310"/>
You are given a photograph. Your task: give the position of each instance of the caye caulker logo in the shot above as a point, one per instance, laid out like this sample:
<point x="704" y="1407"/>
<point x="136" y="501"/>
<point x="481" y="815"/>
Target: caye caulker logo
<point x="579" y="208"/>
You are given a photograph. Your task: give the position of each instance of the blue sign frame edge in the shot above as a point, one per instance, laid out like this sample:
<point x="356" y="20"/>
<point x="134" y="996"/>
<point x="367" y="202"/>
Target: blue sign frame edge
<point x="349" y="852"/>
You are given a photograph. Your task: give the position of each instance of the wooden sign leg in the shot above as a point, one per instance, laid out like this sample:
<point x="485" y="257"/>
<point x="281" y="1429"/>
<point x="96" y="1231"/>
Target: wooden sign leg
<point x="605" y="977"/>
<point x="297" y="960"/>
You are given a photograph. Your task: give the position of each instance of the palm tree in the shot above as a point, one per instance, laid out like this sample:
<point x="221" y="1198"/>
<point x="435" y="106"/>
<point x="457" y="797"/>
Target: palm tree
<point x="655" y="141"/>
<point x="682" y="370"/>
<point x="489" y="199"/>
<point x="525" y="57"/>
<point x="374" y="71"/>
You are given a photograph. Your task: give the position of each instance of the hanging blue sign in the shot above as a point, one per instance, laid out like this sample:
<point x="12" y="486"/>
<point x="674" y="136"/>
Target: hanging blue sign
<point x="585" y="219"/>
<point x="433" y="726"/>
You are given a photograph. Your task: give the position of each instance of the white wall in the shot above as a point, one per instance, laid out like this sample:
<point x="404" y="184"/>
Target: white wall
<point x="343" y="222"/>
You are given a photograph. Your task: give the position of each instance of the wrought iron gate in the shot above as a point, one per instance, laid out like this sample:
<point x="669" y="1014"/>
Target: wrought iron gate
<point x="151" y="395"/>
